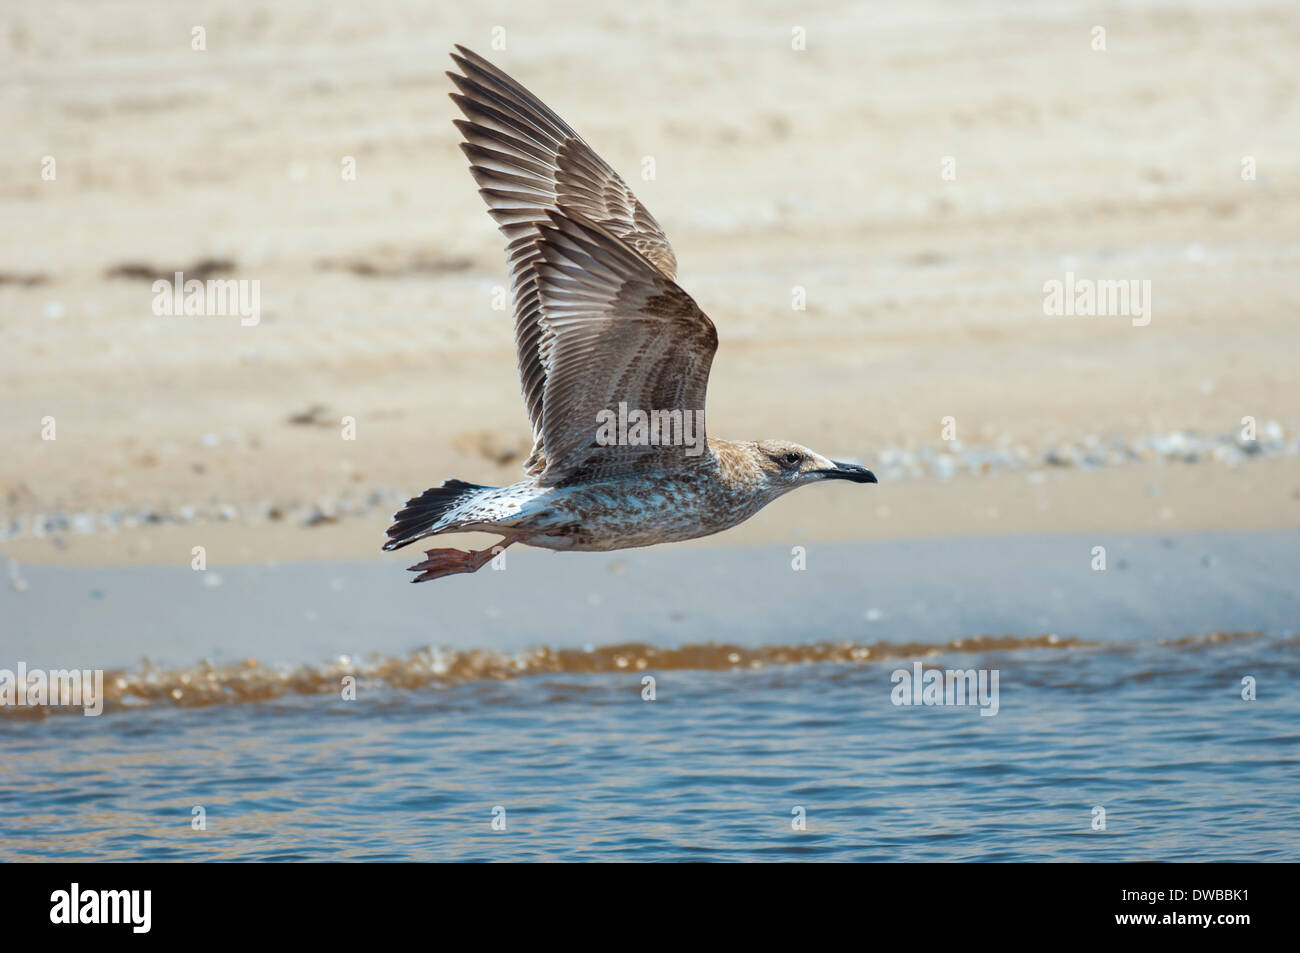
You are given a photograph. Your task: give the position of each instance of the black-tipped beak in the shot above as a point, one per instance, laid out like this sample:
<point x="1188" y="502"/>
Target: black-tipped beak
<point x="849" y="471"/>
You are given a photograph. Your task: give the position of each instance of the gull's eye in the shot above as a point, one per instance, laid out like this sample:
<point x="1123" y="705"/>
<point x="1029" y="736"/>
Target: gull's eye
<point x="790" y="459"/>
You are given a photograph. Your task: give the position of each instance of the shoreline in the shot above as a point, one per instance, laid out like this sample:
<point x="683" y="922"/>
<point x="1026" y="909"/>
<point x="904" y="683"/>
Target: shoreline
<point x="1155" y="586"/>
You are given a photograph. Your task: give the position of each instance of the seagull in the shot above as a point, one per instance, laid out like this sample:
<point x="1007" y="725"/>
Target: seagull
<point x="613" y="359"/>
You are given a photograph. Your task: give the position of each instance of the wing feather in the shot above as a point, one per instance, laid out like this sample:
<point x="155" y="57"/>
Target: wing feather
<point x="617" y="330"/>
<point x="528" y="162"/>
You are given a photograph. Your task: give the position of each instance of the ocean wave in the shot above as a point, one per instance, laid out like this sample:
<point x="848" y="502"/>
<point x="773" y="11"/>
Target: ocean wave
<point x="250" y="681"/>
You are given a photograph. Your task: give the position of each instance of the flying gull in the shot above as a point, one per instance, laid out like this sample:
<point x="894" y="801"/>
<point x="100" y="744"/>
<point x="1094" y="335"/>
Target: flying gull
<point x="613" y="357"/>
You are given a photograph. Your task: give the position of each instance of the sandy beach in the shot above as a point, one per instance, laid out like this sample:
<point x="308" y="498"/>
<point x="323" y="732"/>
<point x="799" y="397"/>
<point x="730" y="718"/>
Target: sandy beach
<point x="774" y="168"/>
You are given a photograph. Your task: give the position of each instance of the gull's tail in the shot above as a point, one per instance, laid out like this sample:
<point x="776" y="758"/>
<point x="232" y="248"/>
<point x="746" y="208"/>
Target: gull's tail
<point x="431" y="512"/>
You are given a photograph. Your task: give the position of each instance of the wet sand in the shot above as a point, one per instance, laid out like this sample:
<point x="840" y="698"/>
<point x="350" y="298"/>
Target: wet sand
<point x="919" y="592"/>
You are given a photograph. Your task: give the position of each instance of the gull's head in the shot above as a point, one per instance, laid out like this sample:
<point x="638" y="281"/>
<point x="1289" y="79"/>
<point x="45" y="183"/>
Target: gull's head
<point x="784" y="466"/>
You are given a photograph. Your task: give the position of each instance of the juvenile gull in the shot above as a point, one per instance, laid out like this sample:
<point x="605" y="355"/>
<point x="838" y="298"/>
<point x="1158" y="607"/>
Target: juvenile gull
<point x="613" y="357"/>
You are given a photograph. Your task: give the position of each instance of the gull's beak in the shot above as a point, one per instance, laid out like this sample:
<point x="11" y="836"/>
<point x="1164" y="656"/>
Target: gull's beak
<point x="849" y="471"/>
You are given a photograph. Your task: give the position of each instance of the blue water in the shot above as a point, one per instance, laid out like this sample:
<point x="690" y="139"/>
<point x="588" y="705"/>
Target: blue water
<point x="1155" y="734"/>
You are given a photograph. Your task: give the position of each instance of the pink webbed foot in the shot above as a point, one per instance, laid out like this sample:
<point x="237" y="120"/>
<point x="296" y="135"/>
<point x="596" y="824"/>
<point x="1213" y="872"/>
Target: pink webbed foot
<point x="449" y="562"/>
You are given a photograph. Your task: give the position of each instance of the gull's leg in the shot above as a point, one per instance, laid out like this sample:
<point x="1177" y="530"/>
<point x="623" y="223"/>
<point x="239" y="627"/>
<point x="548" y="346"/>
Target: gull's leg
<point x="449" y="562"/>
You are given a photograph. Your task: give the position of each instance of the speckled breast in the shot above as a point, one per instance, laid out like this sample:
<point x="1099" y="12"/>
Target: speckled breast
<point x="638" y="511"/>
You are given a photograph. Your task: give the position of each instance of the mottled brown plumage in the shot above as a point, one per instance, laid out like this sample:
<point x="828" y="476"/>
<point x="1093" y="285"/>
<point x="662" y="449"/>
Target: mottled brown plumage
<point x="600" y="324"/>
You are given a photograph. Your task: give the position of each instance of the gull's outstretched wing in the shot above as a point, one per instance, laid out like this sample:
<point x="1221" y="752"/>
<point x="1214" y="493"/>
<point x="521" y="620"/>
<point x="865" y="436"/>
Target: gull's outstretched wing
<point x="528" y="162"/>
<point x="614" y="330"/>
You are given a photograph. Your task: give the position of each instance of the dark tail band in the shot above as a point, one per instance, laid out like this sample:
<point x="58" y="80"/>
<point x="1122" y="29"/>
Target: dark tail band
<point x="422" y="513"/>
